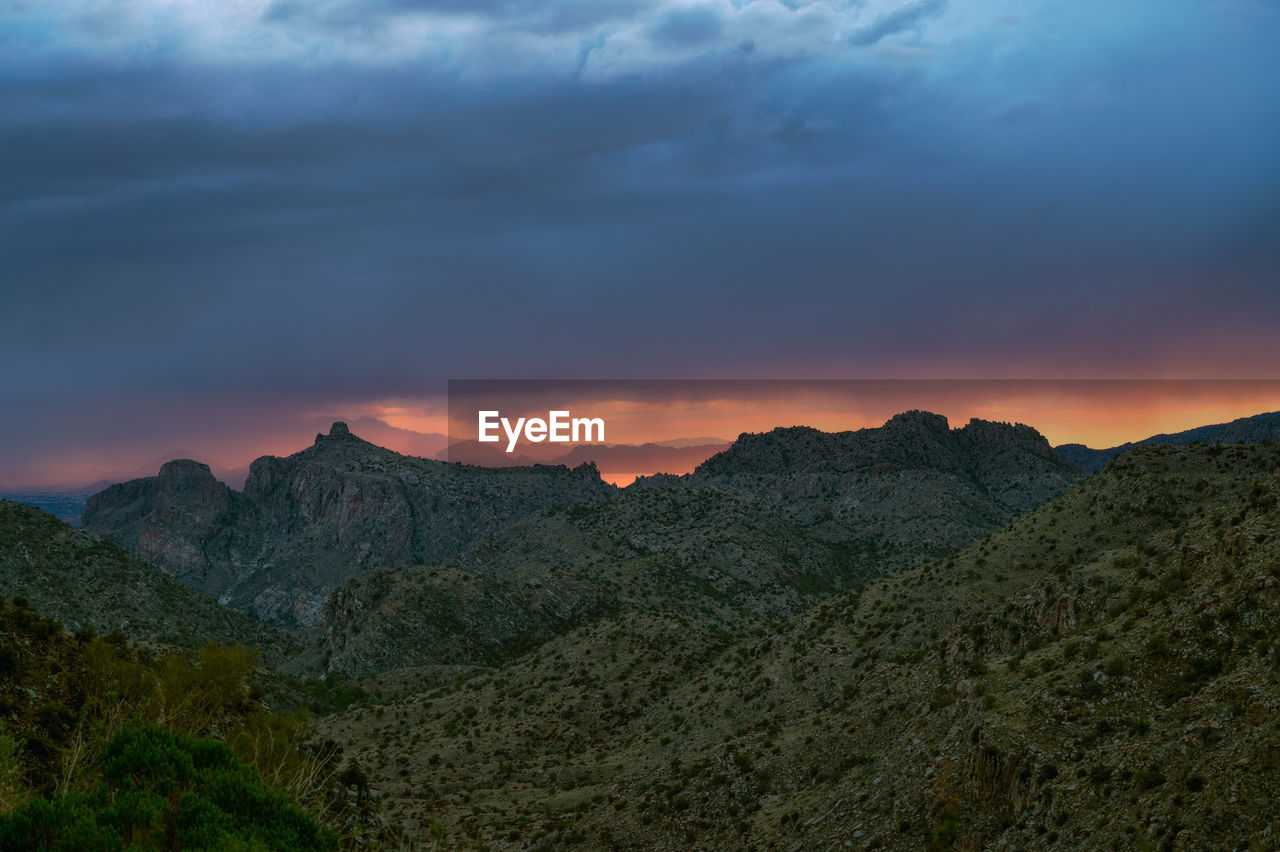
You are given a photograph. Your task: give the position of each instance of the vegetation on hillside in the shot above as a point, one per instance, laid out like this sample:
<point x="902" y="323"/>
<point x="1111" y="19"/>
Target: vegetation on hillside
<point x="1102" y="673"/>
<point x="164" y="790"/>
<point x="84" y="581"/>
<point x="105" y="745"/>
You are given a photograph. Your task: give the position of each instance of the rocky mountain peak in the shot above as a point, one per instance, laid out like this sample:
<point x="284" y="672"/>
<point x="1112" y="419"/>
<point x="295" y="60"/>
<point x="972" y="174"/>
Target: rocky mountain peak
<point x="339" y="429"/>
<point x="918" y="418"/>
<point x="186" y="480"/>
<point x="993" y="436"/>
<point x="181" y="472"/>
<point x="306" y="523"/>
<point x="587" y="470"/>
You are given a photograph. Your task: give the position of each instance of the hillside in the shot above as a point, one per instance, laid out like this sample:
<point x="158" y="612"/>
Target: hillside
<point x="1101" y="673"/>
<point x="307" y="523"/>
<point x="700" y="552"/>
<point x="82" y="580"/>
<point x="1245" y="430"/>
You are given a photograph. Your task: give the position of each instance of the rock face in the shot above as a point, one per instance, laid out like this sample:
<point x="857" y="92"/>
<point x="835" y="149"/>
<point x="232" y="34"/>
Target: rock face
<point x="1247" y="430"/>
<point x="911" y="489"/>
<point x="307" y="523"/>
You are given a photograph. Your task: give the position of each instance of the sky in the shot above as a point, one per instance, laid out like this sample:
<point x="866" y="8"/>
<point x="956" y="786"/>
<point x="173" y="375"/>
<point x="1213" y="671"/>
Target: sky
<point x="222" y="221"/>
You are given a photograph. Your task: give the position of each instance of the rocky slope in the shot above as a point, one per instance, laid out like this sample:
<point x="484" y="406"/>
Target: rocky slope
<point x="1100" y="673"/>
<point x="307" y="523"/>
<point x="1246" y="430"/>
<point x="84" y="581"/>
<point x="697" y="551"/>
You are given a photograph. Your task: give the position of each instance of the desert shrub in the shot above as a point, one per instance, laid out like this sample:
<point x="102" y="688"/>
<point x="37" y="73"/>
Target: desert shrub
<point x="1157" y="647"/>
<point x="1100" y="773"/>
<point x="1148" y="779"/>
<point x="196" y="696"/>
<point x="333" y="695"/>
<point x="8" y="659"/>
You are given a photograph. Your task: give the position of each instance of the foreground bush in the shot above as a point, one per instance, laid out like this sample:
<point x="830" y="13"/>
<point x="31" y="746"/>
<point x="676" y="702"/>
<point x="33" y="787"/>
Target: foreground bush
<point x="162" y="790"/>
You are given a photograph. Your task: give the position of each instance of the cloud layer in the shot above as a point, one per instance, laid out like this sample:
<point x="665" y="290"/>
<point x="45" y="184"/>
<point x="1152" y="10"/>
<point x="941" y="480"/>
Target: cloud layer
<point x="357" y="199"/>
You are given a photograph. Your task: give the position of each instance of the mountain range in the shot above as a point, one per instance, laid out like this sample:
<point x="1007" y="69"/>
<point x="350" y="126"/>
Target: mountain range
<point x="305" y="524"/>
<point x="768" y="522"/>
<point x="619" y="463"/>
<point x="910" y="637"/>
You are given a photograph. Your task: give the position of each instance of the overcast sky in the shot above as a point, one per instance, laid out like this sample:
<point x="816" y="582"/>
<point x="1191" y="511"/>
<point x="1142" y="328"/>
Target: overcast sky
<point x="221" y="212"/>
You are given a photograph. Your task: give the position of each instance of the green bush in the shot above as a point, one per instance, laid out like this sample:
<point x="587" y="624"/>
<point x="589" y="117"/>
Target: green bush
<point x="162" y="790"/>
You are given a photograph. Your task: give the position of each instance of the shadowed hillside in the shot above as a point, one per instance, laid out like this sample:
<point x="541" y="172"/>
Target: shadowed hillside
<point x="84" y="581"/>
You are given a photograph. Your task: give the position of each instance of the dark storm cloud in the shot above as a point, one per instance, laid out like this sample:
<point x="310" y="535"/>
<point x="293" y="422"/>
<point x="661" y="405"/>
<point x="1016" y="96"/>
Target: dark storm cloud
<point x="642" y="197"/>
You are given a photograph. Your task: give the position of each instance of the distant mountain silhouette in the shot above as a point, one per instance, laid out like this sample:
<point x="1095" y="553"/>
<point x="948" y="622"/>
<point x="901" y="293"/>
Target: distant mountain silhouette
<point x="694" y="442"/>
<point x="1246" y="430"/>
<point x="486" y="455"/>
<point x="425" y="445"/>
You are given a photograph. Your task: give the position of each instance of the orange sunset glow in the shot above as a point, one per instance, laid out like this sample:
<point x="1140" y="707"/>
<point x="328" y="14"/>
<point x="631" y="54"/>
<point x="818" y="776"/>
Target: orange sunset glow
<point x="1099" y="414"/>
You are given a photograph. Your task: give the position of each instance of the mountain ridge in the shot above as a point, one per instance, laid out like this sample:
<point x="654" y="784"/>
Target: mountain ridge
<point x="1255" y="429"/>
<point x="307" y="522"/>
<point x="849" y="506"/>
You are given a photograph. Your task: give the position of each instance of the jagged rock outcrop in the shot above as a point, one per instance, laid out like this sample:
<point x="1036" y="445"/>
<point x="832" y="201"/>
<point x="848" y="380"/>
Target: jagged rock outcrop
<point x="909" y="490"/>
<point x="307" y="523"/>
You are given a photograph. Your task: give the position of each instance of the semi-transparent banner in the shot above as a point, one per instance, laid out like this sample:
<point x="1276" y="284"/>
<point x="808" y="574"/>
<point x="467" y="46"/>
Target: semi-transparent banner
<point x="631" y="427"/>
